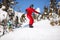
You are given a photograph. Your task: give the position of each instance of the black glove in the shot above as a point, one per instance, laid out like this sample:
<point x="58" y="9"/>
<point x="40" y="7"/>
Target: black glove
<point x="39" y="13"/>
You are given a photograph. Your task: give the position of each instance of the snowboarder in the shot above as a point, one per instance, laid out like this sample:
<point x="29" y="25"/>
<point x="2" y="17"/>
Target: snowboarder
<point x="29" y="11"/>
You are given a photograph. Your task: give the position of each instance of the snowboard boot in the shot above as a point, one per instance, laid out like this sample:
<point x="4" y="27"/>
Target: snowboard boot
<point x="30" y="26"/>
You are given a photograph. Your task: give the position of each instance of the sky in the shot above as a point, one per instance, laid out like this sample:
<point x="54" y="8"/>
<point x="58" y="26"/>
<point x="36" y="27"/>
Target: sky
<point x="23" y="4"/>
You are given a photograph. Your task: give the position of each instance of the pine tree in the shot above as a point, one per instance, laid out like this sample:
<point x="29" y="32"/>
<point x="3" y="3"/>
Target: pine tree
<point x="58" y="5"/>
<point x="53" y="4"/>
<point x="46" y="9"/>
<point x="9" y="3"/>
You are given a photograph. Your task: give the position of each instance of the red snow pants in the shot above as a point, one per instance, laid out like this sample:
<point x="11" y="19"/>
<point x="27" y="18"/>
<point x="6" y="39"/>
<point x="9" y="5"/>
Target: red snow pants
<point x="31" y="20"/>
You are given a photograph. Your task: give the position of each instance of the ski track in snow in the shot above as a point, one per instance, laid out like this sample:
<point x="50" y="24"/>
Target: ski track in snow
<point x="42" y="31"/>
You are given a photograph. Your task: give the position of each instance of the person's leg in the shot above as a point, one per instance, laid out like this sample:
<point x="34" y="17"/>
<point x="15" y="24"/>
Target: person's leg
<point x="31" y="21"/>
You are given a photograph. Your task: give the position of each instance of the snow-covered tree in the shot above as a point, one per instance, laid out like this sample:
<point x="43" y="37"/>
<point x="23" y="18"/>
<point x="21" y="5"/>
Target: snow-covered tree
<point x="9" y="3"/>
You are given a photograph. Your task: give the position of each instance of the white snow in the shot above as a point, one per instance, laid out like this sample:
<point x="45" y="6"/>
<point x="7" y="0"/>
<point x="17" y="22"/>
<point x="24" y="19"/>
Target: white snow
<point x="42" y="31"/>
<point x="3" y="15"/>
<point x="1" y="30"/>
<point x="38" y="9"/>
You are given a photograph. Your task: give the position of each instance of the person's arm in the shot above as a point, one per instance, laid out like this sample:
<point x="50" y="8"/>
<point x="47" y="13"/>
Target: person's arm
<point x="26" y="11"/>
<point x="36" y="11"/>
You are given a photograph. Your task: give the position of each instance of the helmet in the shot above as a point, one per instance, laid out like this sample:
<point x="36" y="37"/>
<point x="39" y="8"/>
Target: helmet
<point x="31" y="5"/>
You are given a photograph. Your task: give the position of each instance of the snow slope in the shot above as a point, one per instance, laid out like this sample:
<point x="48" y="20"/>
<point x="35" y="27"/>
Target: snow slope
<point x="42" y="31"/>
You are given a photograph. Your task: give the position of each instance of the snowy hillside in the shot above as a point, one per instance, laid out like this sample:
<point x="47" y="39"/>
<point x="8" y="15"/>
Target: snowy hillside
<point x="42" y="31"/>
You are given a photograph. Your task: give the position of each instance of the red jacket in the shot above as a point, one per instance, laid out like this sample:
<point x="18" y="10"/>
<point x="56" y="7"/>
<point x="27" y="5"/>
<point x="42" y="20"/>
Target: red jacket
<point x="30" y="11"/>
